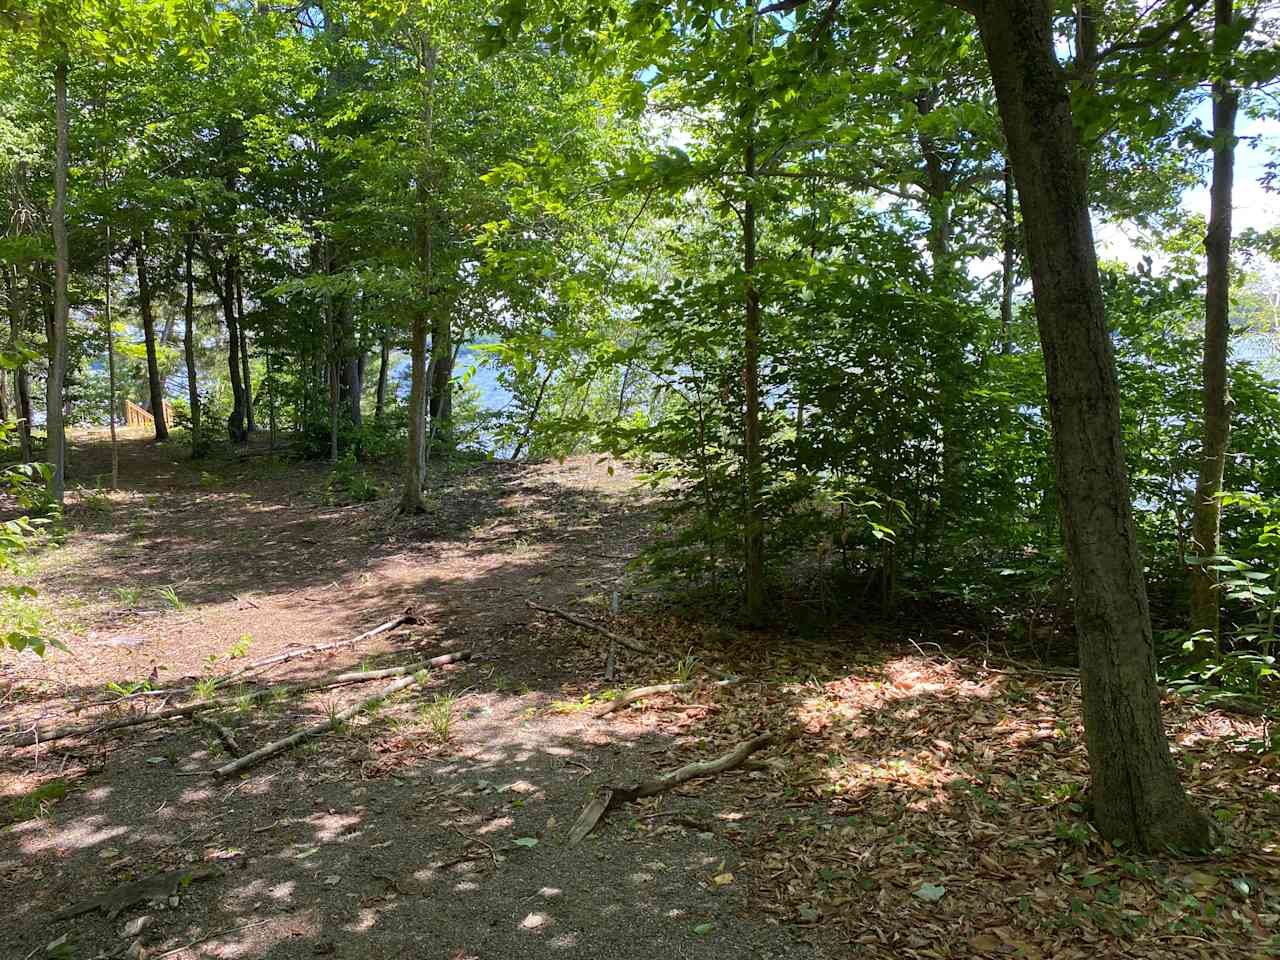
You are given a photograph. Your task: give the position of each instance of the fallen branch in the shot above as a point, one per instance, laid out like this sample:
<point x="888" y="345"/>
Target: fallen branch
<point x="611" y="636"/>
<point x="356" y="676"/>
<point x="608" y="798"/>
<point x="279" y="746"/>
<point x="222" y="733"/>
<point x="639" y="693"/>
<point x="587" y="624"/>
<point x="406" y="618"/>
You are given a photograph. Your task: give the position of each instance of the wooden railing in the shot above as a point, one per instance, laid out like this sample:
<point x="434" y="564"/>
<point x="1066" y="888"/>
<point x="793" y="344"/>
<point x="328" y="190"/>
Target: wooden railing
<point x="136" y="416"/>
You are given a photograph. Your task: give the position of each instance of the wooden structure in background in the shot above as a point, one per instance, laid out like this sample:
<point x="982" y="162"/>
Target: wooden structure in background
<point x="136" y="416"/>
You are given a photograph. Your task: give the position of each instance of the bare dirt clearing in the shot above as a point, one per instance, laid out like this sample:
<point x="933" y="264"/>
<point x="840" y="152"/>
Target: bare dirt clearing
<point x="918" y="800"/>
<point x="433" y="827"/>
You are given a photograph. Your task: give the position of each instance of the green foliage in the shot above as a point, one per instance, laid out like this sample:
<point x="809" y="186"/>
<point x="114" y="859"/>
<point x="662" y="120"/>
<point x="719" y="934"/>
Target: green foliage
<point x="349" y="482"/>
<point x="170" y="596"/>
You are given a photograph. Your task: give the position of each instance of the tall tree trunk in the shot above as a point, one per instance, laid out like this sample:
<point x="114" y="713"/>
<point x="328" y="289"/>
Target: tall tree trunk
<point x="351" y="380"/>
<point x="21" y="383"/>
<point x="1008" y="240"/>
<point x="753" y="531"/>
<point x="154" y="384"/>
<point x="384" y="357"/>
<point x="55" y="422"/>
<point x="1207" y="515"/>
<point x="249" y="424"/>
<point x="235" y="422"/>
<point x="1135" y="794"/>
<point x="415" y="452"/>
<point x="189" y="345"/>
<point x="111" y="363"/>
<point x="271" y="403"/>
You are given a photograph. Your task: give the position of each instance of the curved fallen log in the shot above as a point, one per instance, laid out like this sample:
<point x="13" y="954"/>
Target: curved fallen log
<point x="639" y="693"/>
<point x="608" y="798"/>
<point x="356" y="676"/>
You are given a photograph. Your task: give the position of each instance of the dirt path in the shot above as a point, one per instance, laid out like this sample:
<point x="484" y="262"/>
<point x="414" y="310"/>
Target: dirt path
<point x="434" y="828"/>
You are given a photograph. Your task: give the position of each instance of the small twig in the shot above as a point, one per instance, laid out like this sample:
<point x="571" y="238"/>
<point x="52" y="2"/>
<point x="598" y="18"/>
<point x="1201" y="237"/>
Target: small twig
<point x="579" y="763"/>
<point x="213" y="936"/>
<point x="470" y="839"/>
<point x="223" y="734"/>
<point x="587" y="624"/>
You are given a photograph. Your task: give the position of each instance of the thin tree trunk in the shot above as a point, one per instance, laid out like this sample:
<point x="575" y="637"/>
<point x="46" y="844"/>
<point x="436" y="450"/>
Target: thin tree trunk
<point x="21" y="385"/>
<point x="189" y="345"/>
<point x="235" y="422"/>
<point x="384" y="357"/>
<point x="111" y="364"/>
<point x="533" y="414"/>
<point x="155" y="386"/>
<point x="250" y="426"/>
<point x="1207" y="515"/>
<point x="1135" y="793"/>
<point x="1008" y="239"/>
<point x="753" y="533"/>
<point x="415" y="454"/>
<point x="55" y="423"/>
<point x="271" y="404"/>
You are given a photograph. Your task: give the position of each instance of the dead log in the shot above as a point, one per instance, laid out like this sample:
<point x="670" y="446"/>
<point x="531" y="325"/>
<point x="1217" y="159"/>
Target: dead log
<point x="639" y="693"/>
<point x="279" y="746"/>
<point x="406" y="618"/>
<point x="355" y="676"/>
<point x="610" y="797"/>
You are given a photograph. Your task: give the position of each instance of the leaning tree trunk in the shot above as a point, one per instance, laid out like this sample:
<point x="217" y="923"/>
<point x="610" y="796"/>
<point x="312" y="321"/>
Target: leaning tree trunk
<point x="1207" y="515"/>
<point x="189" y="345"/>
<point x="1135" y="795"/>
<point x="55" y="425"/>
<point x="154" y="383"/>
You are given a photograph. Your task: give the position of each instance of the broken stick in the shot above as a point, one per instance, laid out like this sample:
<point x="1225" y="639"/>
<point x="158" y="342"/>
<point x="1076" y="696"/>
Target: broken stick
<point x="406" y="618"/>
<point x="222" y="733"/>
<point x="607" y="798"/>
<point x="639" y="693"/>
<point x="581" y="622"/>
<point x="356" y="676"/>
<point x="278" y="746"/>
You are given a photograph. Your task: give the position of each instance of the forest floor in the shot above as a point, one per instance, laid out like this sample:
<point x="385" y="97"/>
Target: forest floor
<point x="922" y="797"/>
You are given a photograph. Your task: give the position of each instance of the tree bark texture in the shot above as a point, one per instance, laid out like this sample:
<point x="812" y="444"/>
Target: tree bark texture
<point x="1207" y="512"/>
<point x="155" y="387"/>
<point x="55" y="423"/>
<point x="1135" y="793"/>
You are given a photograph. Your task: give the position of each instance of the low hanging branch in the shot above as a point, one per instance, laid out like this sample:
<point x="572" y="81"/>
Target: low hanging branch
<point x="609" y="798"/>
<point x="355" y="676"/>
<point x="405" y="619"/>
<point x="639" y="693"/>
<point x="279" y="746"/>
